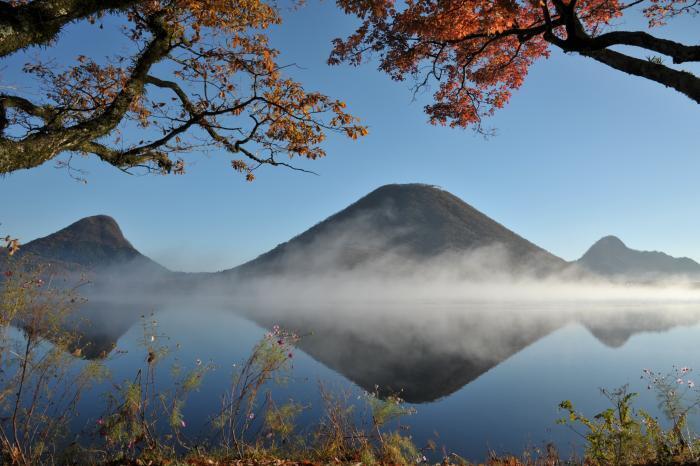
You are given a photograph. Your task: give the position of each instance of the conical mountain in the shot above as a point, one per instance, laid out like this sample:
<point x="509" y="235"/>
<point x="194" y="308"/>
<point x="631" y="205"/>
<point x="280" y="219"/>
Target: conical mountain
<point x="408" y="221"/>
<point x="609" y="256"/>
<point x="91" y="243"/>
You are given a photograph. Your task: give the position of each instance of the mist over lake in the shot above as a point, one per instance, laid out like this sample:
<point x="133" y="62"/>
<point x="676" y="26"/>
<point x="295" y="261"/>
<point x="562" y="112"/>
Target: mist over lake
<point x="481" y="375"/>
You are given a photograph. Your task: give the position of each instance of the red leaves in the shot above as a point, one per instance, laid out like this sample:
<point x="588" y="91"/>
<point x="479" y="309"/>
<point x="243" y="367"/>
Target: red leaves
<point x="479" y="51"/>
<point x="660" y="11"/>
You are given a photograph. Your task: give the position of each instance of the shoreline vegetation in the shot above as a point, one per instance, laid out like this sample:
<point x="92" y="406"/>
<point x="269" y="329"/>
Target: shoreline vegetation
<point x="43" y="376"/>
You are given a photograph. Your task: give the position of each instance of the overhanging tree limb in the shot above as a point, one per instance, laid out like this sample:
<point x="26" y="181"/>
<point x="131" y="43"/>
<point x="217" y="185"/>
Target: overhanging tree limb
<point x="680" y="53"/>
<point x="217" y="60"/>
<point x="682" y="81"/>
<point x="37" y="148"/>
<point x="40" y="21"/>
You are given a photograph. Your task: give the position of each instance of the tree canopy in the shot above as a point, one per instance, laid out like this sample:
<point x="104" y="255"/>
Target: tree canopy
<point x="200" y="75"/>
<point x="479" y="51"/>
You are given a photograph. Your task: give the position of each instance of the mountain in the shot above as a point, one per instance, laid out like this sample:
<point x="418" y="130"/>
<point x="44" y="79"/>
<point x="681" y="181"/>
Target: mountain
<point x="609" y="256"/>
<point x="422" y="352"/>
<point x="90" y="244"/>
<point x="415" y="222"/>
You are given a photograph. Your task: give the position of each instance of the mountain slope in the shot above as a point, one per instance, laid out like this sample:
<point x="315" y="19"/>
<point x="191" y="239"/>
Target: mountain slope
<point x="91" y="243"/>
<point x="609" y="256"/>
<point x="409" y="221"/>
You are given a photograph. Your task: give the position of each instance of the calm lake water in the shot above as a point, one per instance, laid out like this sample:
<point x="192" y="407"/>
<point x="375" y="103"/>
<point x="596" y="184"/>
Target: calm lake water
<point x="481" y="377"/>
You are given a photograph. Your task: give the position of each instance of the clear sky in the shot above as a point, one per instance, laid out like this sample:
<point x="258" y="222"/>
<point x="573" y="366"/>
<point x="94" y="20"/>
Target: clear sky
<point x="582" y="151"/>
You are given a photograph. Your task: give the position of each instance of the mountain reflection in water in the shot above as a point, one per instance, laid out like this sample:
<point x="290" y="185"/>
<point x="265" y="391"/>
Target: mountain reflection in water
<point x="422" y="353"/>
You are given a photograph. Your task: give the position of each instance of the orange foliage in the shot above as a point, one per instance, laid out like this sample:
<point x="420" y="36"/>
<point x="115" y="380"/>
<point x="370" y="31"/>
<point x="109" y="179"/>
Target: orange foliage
<point x="212" y="82"/>
<point x="479" y="51"/>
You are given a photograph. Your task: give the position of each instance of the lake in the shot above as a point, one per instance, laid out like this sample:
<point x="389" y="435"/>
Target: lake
<point x="481" y="376"/>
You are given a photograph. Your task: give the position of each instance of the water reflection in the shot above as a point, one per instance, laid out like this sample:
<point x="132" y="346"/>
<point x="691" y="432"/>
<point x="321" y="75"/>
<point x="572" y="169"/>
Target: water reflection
<point x="423" y="353"/>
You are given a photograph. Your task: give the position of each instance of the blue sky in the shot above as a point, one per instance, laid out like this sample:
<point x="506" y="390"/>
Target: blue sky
<point x="582" y="151"/>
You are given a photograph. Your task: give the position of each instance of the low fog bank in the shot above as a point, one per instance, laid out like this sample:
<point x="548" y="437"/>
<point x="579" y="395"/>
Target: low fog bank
<point x="423" y="350"/>
<point x="485" y="284"/>
<point x="423" y="328"/>
<point x="487" y="274"/>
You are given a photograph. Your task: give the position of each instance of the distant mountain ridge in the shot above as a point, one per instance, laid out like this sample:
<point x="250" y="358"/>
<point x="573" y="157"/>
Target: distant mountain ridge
<point x="417" y="222"/>
<point x="610" y="257"/>
<point x="414" y="221"/>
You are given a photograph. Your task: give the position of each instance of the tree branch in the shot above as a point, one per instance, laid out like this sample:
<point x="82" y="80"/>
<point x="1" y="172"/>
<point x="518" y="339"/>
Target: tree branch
<point x="45" y="144"/>
<point x="40" y="21"/>
<point x="682" y="81"/>
<point x="127" y="159"/>
<point x="680" y="53"/>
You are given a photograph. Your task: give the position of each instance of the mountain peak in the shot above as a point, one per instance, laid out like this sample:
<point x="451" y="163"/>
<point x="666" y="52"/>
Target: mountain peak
<point x="100" y="229"/>
<point x="609" y="242"/>
<point x="610" y="256"/>
<point x="396" y="188"/>
<point x="412" y="221"/>
<point x="95" y="241"/>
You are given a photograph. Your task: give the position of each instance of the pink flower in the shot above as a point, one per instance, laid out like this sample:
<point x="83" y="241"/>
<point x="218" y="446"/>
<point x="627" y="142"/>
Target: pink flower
<point x="183" y="423"/>
<point x="251" y="416"/>
<point x="100" y="422"/>
<point x="679" y="381"/>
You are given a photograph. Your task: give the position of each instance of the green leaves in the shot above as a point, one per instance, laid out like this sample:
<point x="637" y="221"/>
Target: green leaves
<point x="621" y="435"/>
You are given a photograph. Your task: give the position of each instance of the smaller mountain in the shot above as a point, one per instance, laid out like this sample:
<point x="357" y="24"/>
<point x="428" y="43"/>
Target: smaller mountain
<point x="609" y="256"/>
<point x="90" y="244"/>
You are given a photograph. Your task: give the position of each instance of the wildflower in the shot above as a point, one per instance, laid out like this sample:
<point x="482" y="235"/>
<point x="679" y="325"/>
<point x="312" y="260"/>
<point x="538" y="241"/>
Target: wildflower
<point x="183" y="423"/>
<point x="679" y="381"/>
<point x="100" y="422"/>
<point x="198" y="362"/>
<point x="251" y="416"/>
<point x="280" y="342"/>
<point x="8" y="273"/>
<point x="684" y="370"/>
<point x="691" y="384"/>
<point x="290" y="355"/>
<point x="153" y="338"/>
